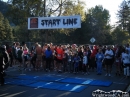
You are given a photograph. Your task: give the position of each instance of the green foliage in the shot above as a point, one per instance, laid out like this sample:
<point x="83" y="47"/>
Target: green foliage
<point x="95" y="23"/>
<point x="20" y="10"/>
<point x="122" y="31"/>
<point x="21" y="33"/>
<point x="98" y="23"/>
<point x="5" y="29"/>
<point x="124" y="16"/>
<point x="70" y="8"/>
<point x="3" y="7"/>
<point x="119" y="36"/>
<point x="8" y="30"/>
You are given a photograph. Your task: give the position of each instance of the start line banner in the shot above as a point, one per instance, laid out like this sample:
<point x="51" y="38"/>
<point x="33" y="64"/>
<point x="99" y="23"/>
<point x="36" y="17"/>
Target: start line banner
<point x="54" y="22"/>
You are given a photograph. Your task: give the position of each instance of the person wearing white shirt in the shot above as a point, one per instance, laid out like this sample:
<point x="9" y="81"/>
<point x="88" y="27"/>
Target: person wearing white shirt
<point x="126" y="62"/>
<point x="108" y="60"/>
<point x="17" y="48"/>
<point x="85" y="62"/>
<point x="128" y="48"/>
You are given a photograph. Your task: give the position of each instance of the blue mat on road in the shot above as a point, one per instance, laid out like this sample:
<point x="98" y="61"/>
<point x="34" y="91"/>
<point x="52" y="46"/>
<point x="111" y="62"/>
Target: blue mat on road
<point x="8" y="80"/>
<point x="50" y="85"/>
<point x="40" y="78"/>
<point x="72" y="87"/>
<point x="101" y="83"/>
<point x="50" y="78"/>
<point x="27" y="77"/>
<point x="18" y="81"/>
<point x="65" y="80"/>
<point x="86" y="82"/>
<point x="77" y="81"/>
<point x="58" y="86"/>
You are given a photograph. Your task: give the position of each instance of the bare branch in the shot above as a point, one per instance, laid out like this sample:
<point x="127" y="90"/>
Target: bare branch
<point x="60" y="5"/>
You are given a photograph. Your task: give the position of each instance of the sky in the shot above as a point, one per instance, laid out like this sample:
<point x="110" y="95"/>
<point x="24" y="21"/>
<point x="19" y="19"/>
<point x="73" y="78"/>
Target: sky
<point x="111" y="5"/>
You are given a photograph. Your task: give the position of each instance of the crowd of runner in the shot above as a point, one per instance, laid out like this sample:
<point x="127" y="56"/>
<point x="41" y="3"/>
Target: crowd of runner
<point x="71" y="58"/>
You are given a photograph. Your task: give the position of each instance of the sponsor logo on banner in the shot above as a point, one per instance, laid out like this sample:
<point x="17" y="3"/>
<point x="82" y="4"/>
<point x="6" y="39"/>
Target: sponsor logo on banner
<point x="33" y="22"/>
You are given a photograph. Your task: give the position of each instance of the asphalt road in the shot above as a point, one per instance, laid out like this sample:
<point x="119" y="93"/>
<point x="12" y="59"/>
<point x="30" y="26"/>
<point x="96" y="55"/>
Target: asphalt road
<point x="119" y="83"/>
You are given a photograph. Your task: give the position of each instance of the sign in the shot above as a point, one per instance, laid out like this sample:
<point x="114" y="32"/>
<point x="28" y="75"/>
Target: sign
<point x="92" y="40"/>
<point x="54" y="22"/>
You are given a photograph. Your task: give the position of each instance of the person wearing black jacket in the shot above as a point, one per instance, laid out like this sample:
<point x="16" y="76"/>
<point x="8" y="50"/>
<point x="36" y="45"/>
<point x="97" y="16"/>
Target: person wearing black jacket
<point x="4" y="59"/>
<point x="80" y="54"/>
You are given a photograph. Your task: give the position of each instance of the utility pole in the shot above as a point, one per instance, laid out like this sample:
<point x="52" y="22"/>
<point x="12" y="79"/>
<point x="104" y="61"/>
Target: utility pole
<point x="45" y="31"/>
<point x="44" y="8"/>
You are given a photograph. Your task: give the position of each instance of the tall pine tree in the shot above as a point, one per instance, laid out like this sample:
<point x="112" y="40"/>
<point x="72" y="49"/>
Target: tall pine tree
<point x="5" y="29"/>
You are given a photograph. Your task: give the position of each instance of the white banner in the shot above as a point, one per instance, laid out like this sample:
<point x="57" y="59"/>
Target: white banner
<point x="54" y="22"/>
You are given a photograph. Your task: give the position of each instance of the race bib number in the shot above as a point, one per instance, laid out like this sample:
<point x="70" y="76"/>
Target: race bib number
<point x="59" y="55"/>
<point x="69" y="59"/>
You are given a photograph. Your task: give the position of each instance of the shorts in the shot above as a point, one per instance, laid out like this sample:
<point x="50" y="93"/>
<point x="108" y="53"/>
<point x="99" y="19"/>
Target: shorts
<point x="55" y="58"/>
<point x="25" y="58"/>
<point x="20" y="60"/>
<point x="59" y="61"/>
<point x="44" y="58"/>
<point x="126" y="65"/>
<point x="117" y="63"/>
<point x="109" y="61"/>
<point x="34" y="58"/>
<point x="39" y="57"/>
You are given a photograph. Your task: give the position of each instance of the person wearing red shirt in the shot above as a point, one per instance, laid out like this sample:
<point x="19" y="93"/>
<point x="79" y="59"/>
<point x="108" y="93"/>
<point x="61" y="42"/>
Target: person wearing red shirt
<point x="92" y="58"/>
<point x="59" y="56"/>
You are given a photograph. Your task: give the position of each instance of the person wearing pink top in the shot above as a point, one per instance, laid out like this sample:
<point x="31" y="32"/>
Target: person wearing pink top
<point x="25" y="52"/>
<point x="25" y="56"/>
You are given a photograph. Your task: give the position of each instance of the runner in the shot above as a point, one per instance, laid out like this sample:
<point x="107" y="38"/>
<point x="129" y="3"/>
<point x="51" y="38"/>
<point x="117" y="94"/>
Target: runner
<point x="43" y="56"/>
<point x="108" y="60"/>
<point x="76" y="63"/>
<point x="48" y="55"/>
<point x="126" y="63"/>
<point x="14" y="53"/>
<point x="118" y="53"/>
<point x="59" y="56"/>
<point x="99" y="58"/>
<point x="92" y="58"/>
<point x="20" y="57"/>
<point x="25" y="56"/>
<point x="88" y="56"/>
<point x="9" y="50"/>
<point x="80" y="54"/>
<point x="39" y="56"/>
<point x="65" y="57"/>
<point x="69" y="64"/>
<point x="85" y="64"/>
<point x="4" y="59"/>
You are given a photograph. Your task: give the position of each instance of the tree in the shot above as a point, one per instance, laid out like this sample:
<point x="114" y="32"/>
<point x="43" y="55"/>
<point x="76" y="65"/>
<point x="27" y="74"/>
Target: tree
<point x="20" y="10"/>
<point x="5" y="29"/>
<point x="119" y="36"/>
<point x="8" y="30"/>
<point x="98" y="19"/>
<point x="124" y="15"/>
<point x="2" y="32"/>
<point x="122" y="32"/>
<point x="3" y="7"/>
